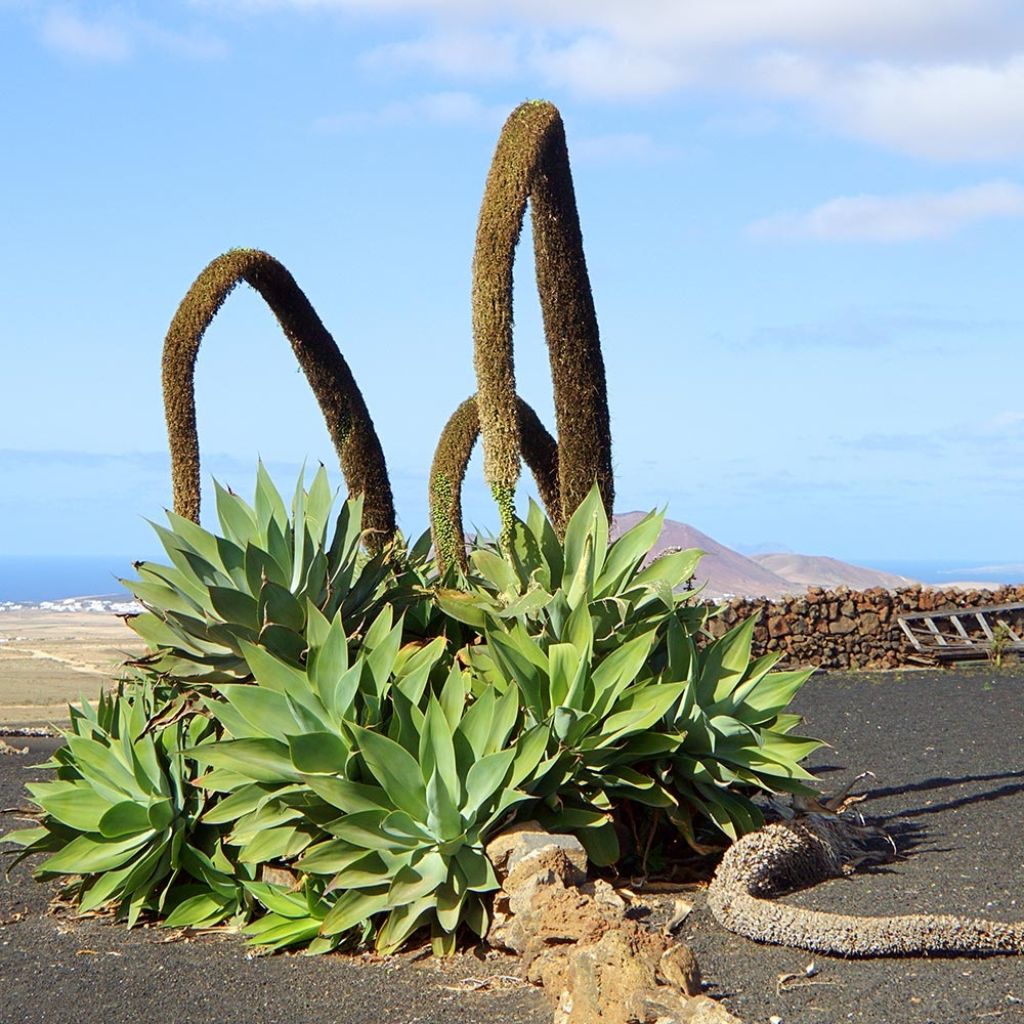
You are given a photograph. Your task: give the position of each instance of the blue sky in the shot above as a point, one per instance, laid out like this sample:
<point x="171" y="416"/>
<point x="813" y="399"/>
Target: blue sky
<point x="802" y="218"/>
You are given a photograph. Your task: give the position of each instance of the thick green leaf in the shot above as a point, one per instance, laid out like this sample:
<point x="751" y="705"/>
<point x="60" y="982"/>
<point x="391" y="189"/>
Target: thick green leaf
<point x="102" y="766"/>
<point x="273" y="673"/>
<point x="125" y="819"/>
<point x="495" y="569"/>
<point x="282" y="842"/>
<point x="485" y="778"/>
<point x="724" y="662"/>
<point x="771" y="696"/>
<point x="267" y="711"/>
<point x="346" y="795"/>
<point x="234" y="607"/>
<point x="328" y="660"/>
<point x="85" y="856"/>
<point x="626" y="553"/>
<point x="401" y="923"/>
<point x="476" y="869"/>
<point x="196" y="911"/>
<point x="670" y="569"/>
<point x="476" y="722"/>
<point x="237" y="520"/>
<point x="363" y="829"/>
<point x="279" y="605"/>
<point x="351" y="909"/>
<point x="463" y="607"/>
<point x="443" y="819"/>
<point x="530" y="749"/>
<point x="108" y="887"/>
<point x="619" y="670"/>
<point x="453" y="697"/>
<point x="418" y="879"/>
<point x="524" y="664"/>
<point x="318" y="753"/>
<point x="642" y="710"/>
<point x="396" y="770"/>
<point x="601" y="844"/>
<point x="330" y="857"/>
<point x="437" y="750"/>
<point x="587" y="528"/>
<point x="75" y="804"/>
<point x="259" y="760"/>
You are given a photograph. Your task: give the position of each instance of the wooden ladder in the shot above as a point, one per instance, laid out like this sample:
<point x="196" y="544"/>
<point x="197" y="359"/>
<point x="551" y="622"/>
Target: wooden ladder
<point x="951" y="635"/>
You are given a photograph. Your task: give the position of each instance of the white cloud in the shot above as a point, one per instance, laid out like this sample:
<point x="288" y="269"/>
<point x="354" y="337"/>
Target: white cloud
<point x="941" y="111"/>
<point x="925" y="27"/>
<point x="870" y="218"/>
<point x="950" y="110"/>
<point x="942" y="79"/>
<point x="65" y="31"/>
<point x="119" y="37"/>
<point x="1008" y="424"/>
<point x="438" y="107"/>
<point x="459" y="52"/>
<point x="597" y="66"/>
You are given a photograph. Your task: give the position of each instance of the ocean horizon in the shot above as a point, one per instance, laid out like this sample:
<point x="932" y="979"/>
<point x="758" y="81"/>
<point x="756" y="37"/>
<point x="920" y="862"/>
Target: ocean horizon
<point x="30" y="579"/>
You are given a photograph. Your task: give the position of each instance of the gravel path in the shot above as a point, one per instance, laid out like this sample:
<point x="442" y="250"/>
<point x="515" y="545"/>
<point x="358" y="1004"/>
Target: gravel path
<point x="948" y="752"/>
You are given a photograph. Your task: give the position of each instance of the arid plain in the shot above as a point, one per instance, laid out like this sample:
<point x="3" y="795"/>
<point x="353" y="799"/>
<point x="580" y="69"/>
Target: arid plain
<point x="50" y="658"/>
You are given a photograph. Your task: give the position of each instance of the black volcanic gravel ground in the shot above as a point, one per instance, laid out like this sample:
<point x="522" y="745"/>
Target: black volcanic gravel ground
<point x="947" y="748"/>
<point x="948" y="752"/>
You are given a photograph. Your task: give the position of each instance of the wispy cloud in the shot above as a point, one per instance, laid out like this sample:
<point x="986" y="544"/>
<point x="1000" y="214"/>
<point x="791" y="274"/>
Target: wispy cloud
<point x="906" y="218"/>
<point x="852" y="331"/>
<point x="620" y="146"/>
<point x="998" y="440"/>
<point x="117" y="37"/>
<point x="860" y="328"/>
<point x="436" y="107"/>
<point x="67" y="32"/>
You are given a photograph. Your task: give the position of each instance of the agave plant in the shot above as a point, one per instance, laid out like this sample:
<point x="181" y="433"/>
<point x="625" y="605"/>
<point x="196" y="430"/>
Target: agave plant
<point x="257" y="583"/>
<point x="121" y="820"/>
<point x="537" y="579"/>
<point x="296" y="724"/>
<point x="377" y="781"/>
<point x="613" y="658"/>
<point x="410" y="841"/>
<point x="737" y="736"/>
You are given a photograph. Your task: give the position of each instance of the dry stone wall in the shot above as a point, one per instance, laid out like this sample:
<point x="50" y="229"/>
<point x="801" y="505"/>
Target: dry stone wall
<point x="849" y="629"/>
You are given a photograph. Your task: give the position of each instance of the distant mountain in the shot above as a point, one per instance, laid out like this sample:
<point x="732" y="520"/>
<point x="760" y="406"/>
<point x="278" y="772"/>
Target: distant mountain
<point x="821" y="571"/>
<point x="724" y="572"/>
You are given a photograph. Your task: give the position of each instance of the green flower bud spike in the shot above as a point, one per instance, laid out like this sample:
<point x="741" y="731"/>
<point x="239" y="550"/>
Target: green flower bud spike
<point x="448" y="471"/>
<point x="531" y="163"/>
<point x="341" y="402"/>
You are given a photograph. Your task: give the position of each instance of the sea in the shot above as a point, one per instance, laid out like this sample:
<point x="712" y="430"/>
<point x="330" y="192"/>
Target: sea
<point x="951" y="570"/>
<point x="33" y="580"/>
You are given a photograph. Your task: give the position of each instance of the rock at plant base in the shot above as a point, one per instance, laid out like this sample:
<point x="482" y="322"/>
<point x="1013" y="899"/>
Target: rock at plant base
<point x="574" y="938"/>
<point x="511" y="847"/>
<point x="678" y="966"/>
